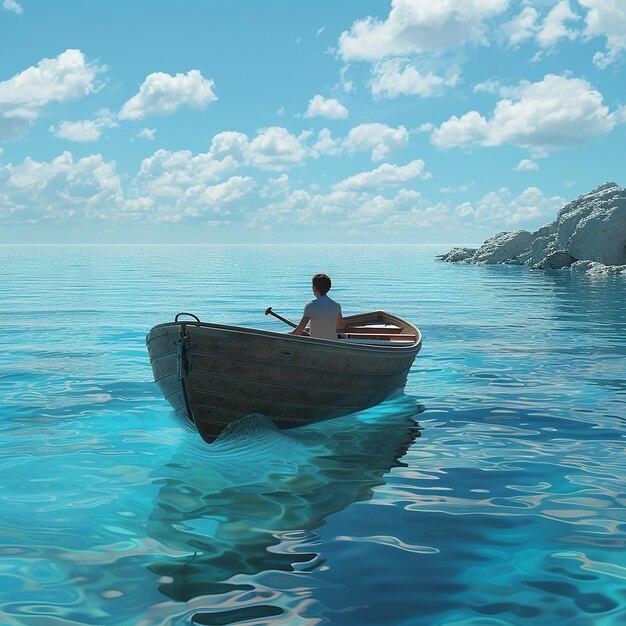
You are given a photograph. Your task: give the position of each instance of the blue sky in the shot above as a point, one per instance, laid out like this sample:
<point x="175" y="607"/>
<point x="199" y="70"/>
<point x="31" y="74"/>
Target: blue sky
<point x="412" y="121"/>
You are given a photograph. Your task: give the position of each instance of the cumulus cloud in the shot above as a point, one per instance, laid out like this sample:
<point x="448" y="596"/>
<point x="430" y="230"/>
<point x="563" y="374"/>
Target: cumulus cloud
<point x="66" y="77"/>
<point x="502" y="208"/>
<point x="162" y="94"/>
<point x="147" y="134"/>
<point x="326" y="145"/>
<point x="190" y="183"/>
<point x="168" y="174"/>
<point x="395" y="77"/>
<point x="416" y="26"/>
<point x="330" y="108"/>
<point x="525" y="165"/>
<point x="84" y="131"/>
<point x="606" y="18"/>
<point x="275" y="148"/>
<point x="553" y="113"/>
<point x="381" y="139"/>
<point x="386" y="175"/>
<point x="12" y="5"/>
<point x="348" y="210"/>
<point x="208" y="203"/>
<point x="169" y="187"/>
<point x="554" y="26"/>
<point x="522" y="27"/>
<point x="62" y="189"/>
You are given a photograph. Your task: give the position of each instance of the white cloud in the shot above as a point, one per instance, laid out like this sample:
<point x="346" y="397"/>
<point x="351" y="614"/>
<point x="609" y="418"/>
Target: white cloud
<point x="381" y="139"/>
<point x="415" y="26"/>
<point x="488" y="86"/>
<point x="395" y="77"/>
<point x="22" y="97"/>
<point x="525" y="165"/>
<point x="66" y="77"/>
<point x="554" y="26"/>
<point x="275" y="187"/>
<point x="230" y="143"/>
<point x="147" y="134"/>
<point x="363" y="212"/>
<point x="553" y="113"/>
<point x="275" y="148"/>
<point x="84" y="131"/>
<point x="326" y="145"/>
<point x="385" y="175"/>
<point x="168" y="174"/>
<point x="231" y="190"/>
<point x="346" y="85"/>
<point x="12" y="5"/>
<point x="62" y="189"/>
<point x="461" y="188"/>
<point x="349" y="211"/>
<point x="521" y="27"/>
<point x="162" y="94"/>
<point x="501" y="209"/>
<point x="606" y="18"/>
<point x="326" y="107"/>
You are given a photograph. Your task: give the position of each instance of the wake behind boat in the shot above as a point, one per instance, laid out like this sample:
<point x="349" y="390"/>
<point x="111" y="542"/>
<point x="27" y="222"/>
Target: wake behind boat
<point x="213" y="374"/>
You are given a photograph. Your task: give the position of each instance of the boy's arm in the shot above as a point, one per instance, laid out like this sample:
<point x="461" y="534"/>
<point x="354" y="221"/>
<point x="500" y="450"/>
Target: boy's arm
<point x="299" y="329"/>
<point x="340" y="322"/>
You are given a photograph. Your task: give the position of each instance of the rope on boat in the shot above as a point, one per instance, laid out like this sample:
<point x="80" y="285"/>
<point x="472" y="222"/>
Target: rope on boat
<point x="184" y="365"/>
<point x="183" y="355"/>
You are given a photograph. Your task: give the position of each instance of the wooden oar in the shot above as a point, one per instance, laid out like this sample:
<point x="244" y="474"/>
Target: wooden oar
<point x="269" y="311"/>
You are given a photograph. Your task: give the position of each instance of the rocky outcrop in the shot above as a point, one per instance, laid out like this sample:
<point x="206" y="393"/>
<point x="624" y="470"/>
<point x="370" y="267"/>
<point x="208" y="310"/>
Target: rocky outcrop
<point x="591" y="228"/>
<point x="503" y="248"/>
<point x="458" y="255"/>
<point x="555" y="261"/>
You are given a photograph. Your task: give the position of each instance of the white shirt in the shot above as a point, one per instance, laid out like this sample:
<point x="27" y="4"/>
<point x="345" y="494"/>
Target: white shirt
<point x="324" y="314"/>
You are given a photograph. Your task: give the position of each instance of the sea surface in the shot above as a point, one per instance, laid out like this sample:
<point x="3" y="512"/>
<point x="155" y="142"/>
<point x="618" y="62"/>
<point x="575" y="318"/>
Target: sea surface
<point x="492" y="492"/>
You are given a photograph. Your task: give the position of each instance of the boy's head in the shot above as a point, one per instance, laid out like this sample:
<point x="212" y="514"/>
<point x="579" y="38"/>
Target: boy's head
<point x="321" y="284"/>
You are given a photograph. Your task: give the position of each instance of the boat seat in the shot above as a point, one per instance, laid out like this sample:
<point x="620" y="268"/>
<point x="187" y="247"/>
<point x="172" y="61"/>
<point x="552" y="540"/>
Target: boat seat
<point x="378" y="335"/>
<point x="384" y="329"/>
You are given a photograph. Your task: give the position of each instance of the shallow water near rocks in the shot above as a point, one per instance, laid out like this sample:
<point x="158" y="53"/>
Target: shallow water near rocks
<point x="507" y="505"/>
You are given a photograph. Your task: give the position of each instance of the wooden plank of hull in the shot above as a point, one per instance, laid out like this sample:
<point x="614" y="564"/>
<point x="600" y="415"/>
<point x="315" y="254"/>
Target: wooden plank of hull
<point x="212" y="419"/>
<point x="202" y="389"/>
<point x="331" y="356"/>
<point x="289" y="375"/>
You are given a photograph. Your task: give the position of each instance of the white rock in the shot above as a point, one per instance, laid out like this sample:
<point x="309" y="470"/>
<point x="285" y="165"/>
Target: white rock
<point x="457" y="255"/>
<point x="573" y="212"/>
<point x="594" y="269"/>
<point x="547" y="230"/>
<point x="539" y="250"/>
<point x="601" y="235"/>
<point x="555" y="261"/>
<point x="503" y="248"/>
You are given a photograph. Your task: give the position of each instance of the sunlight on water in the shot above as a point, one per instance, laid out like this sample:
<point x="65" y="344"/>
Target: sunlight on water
<point x="505" y="506"/>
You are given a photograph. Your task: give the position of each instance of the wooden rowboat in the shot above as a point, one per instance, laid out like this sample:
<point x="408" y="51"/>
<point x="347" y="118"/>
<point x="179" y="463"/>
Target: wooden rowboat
<point x="212" y="374"/>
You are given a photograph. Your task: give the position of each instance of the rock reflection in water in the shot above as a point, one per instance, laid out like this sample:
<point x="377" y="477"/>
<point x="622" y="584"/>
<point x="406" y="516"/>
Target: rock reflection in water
<point x="247" y="503"/>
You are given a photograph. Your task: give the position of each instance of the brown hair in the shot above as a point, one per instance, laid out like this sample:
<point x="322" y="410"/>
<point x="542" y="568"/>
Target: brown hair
<point x="322" y="283"/>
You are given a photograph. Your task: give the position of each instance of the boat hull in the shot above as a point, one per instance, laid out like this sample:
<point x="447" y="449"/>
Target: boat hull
<point x="212" y="374"/>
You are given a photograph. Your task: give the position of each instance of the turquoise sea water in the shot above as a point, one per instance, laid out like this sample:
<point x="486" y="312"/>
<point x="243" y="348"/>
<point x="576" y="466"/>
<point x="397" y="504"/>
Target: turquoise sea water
<point x="506" y="506"/>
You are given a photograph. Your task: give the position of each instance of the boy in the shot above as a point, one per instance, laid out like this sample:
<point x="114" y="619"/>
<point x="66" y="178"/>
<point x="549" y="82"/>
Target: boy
<point x="324" y="313"/>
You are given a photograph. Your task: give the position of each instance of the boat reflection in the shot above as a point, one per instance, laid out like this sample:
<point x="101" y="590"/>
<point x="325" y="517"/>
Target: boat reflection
<point x="247" y="504"/>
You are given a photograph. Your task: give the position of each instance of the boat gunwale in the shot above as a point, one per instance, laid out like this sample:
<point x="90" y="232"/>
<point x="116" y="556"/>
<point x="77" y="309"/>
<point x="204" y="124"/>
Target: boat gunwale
<point x="310" y="341"/>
